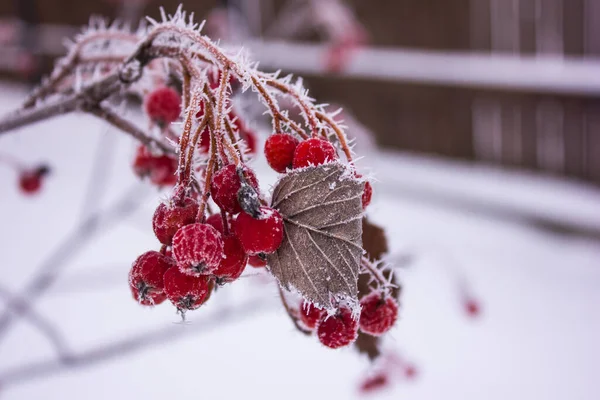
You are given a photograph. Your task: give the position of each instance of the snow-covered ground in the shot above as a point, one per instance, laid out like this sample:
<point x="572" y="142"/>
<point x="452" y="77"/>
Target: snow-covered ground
<point x="537" y="337"/>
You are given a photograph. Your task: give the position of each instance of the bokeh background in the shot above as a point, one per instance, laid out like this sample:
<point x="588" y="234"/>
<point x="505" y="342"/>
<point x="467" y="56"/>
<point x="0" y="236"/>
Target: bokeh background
<point x="480" y="122"/>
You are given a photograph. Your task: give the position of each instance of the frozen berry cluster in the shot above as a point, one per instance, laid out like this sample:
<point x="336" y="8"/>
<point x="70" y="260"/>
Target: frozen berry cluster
<point x="378" y="314"/>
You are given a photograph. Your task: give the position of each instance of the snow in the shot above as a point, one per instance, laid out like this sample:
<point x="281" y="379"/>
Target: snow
<point x="537" y="336"/>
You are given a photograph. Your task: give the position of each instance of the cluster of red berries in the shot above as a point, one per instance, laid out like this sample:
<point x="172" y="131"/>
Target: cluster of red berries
<point x="283" y="152"/>
<point x="379" y="312"/>
<point x="199" y="253"/>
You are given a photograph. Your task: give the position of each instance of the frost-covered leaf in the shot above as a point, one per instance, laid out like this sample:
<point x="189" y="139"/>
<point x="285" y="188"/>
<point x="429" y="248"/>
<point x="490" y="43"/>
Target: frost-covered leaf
<point x="321" y="251"/>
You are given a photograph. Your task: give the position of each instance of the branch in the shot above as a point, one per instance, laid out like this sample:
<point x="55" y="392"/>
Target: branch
<point x="115" y="119"/>
<point x="70" y="246"/>
<point x="130" y="345"/>
<point x="45" y="327"/>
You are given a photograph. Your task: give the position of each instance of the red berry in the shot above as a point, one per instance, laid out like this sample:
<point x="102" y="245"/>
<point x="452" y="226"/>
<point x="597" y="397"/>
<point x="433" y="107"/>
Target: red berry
<point x="472" y="308"/>
<point x="225" y="186"/>
<point x="198" y="249"/>
<point x="378" y="314"/>
<point x="204" y="141"/>
<point x="310" y="315"/>
<point x="163" y="105"/>
<point x="249" y="138"/>
<point x="367" y="193"/>
<point x="30" y="181"/>
<point x="184" y="291"/>
<point x="313" y="151"/>
<point x="339" y="330"/>
<point x="216" y="221"/>
<point x="146" y="277"/>
<point x="233" y="262"/>
<point x="257" y="261"/>
<point x="168" y="218"/>
<point x="262" y="235"/>
<point x="279" y="151"/>
<point x="160" y="169"/>
<point x="410" y="371"/>
<point x="374" y="383"/>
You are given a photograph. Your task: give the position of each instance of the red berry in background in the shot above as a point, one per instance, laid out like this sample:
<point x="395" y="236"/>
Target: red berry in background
<point x="410" y="371"/>
<point x="168" y="218"/>
<point x="249" y="138"/>
<point x="146" y="277"/>
<point x="339" y="330"/>
<point x="225" y="186"/>
<point x="279" y="151"/>
<point x="257" y="261"/>
<point x="472" y="308"/>
<point x="184" y="291"/>
<point x="198" y="249"/>
<point x="310" y="315"/>
<point x="163" y="105"/>
<point x="374" y="383"/>
<point x="216" y="221"/>
<point x="378" y="314"/>
<point x="160" y="169"/>
<point x="31" y="180"/>
<point x="233" y="262"/>
<point x="367" y="193"/>
<point x="204" y="141"/>
<point x="313" y="151"/>
<point x="261" y="235"/>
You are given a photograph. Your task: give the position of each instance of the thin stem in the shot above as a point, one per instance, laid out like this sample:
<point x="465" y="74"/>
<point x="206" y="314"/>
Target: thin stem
<point x="290" y="312"/>
<point x="124" y="125"/>
<point x="45" y="327"/>
<point x="338" y="132"/>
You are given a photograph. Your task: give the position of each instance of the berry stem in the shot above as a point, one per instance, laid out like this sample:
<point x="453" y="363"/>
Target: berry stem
<point x="291" y="312"/>
<point x="376" y="274"/>
<point x="338" y="132"/>
<point x="184" y="140"/>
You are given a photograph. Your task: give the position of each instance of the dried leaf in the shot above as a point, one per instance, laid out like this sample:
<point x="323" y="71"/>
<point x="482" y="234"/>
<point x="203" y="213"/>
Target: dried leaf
<point x="374" y="240"/>
<point x="320" y="254"/>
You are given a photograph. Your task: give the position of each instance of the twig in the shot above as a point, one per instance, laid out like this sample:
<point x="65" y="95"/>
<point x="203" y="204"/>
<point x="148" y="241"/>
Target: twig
<point x="115" y="119"/>
<point x="71" y="245"/>
<point x="45" y="327"/>
<point x="130" y="345"/>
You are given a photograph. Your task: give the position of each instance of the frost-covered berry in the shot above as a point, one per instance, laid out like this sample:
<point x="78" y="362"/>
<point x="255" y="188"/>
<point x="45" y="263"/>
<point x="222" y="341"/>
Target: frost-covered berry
<point x="146" y="277"/>
<point x="168" y="218"/>
<point x="30" y="180"/>
<point x="163" y="105"/>
<point x="313" y="151"/>
<point x="184" y="291"/>
<point x="233" y="262"/>
<point x="378" y="314"/>
<point x="198" y="249"/>
<point x="226" y="185"/>
<point x="216" y="221"/>
<point x="310" y="315"/>
<point x="160" y="169"/>
<point x="338" y="330"/>
<point x="279" y="151"/>
<point x="257" y="260"/>
<point x="261" y="235"/>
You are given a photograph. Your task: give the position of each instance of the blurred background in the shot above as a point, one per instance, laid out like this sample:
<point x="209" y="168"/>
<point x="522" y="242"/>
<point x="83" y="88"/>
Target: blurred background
<point x="480" y="122"/>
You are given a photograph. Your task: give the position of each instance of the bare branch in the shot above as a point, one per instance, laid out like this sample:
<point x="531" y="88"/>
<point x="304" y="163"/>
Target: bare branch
<point x="45" y="327"/>
<point x="71" y="245"/>
<point x="132" y="344"/>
